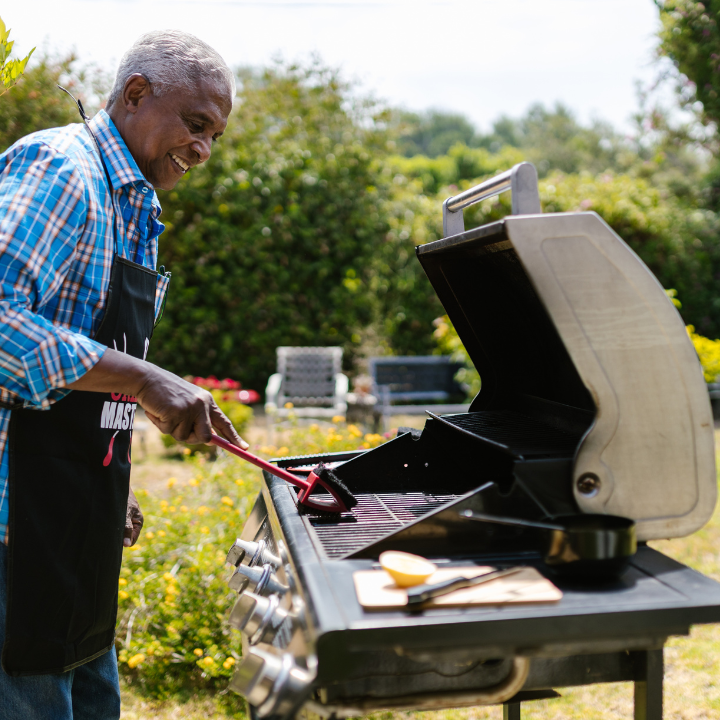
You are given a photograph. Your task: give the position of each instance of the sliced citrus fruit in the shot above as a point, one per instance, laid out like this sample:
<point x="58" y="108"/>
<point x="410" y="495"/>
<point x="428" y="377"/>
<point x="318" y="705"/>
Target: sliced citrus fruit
<point x="406" y="570"/>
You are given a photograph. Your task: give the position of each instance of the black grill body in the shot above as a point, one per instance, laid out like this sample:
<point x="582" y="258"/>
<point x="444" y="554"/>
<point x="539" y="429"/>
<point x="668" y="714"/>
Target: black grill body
<point x="560" y="319"/>
<point x="361" y="661"/>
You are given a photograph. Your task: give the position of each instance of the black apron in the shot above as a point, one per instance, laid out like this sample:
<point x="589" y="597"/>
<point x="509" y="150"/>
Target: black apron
<point x="69" y="483"/>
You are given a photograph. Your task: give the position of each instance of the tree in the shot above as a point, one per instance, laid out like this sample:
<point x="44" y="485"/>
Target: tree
<point x="690" y="38"/>
<point x="431" y="133"/>
<point x="10" y="70"/>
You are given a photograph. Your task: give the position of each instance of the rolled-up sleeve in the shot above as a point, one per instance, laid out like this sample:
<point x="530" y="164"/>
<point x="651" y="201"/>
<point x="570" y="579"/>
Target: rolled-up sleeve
<point x="43" y="210"/>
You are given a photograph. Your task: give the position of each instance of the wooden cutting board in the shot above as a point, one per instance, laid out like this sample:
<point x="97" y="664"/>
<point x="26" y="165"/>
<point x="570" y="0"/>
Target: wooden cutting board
<point x="376" y="590"/>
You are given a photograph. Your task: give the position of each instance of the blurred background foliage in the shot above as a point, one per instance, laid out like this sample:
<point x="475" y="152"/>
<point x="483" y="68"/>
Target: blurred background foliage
<point x="301" y="228"/>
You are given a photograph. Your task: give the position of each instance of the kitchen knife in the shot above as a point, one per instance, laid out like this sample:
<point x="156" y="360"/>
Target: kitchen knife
<point x="423" y="593"/>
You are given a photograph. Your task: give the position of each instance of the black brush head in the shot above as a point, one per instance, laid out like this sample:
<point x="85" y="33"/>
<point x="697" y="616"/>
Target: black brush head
<point x="328" y="476"/>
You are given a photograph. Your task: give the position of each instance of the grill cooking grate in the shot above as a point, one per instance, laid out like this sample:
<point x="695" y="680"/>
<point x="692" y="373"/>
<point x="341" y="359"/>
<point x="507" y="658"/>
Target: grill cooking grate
<point x="374" y="517"/>
<point x="520" y="435"/>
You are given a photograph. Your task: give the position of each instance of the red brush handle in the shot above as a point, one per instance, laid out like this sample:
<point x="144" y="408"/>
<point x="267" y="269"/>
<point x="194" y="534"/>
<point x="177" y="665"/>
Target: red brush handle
<point x="255" y="460"/>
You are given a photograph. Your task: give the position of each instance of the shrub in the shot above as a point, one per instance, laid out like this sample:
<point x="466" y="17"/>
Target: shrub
<point x="449" y="343"/>
<point x="35" y="103"/>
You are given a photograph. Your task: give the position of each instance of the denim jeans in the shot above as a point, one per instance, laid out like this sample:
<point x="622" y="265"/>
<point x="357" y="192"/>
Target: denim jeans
<point x="89" y="692"/>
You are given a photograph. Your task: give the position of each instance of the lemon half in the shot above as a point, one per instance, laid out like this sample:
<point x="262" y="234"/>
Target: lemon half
<point x="407" y="570"/>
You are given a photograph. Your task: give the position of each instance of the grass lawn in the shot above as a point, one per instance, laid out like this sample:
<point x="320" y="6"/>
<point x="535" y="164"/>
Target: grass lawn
<point x="692" y="664"/>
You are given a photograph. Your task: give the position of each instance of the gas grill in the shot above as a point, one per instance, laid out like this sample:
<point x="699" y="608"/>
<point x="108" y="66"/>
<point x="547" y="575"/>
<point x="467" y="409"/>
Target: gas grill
<point x="592" y="401"/>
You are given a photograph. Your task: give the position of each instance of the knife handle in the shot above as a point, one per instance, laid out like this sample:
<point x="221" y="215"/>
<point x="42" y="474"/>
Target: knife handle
<point x="423" y="593"/>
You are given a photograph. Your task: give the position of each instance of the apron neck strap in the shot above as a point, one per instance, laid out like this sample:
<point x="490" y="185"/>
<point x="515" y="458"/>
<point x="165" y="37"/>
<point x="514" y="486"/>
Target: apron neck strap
<point x="95" y="143"/>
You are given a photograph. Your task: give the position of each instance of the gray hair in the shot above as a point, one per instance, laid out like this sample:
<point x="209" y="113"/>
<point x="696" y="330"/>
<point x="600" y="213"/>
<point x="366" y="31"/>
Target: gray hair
<point x="172" y="59"/>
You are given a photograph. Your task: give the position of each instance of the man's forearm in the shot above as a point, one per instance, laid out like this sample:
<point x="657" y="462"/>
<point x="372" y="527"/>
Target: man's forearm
<point x="175" y="406"/>
<point x="115" y="372"/>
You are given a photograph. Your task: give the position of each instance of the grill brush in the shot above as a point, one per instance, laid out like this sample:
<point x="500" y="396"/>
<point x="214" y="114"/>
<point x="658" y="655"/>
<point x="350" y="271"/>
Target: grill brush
<point x="321" y="476"/>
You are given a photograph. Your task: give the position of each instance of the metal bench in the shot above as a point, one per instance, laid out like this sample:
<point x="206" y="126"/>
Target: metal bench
<point x="408" y="385"/>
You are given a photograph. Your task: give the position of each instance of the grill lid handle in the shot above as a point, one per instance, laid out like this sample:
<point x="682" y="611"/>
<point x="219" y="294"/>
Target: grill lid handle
<point x="522" y="182"/>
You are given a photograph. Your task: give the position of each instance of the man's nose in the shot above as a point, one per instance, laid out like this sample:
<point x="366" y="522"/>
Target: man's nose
<point x="202" y="147"/>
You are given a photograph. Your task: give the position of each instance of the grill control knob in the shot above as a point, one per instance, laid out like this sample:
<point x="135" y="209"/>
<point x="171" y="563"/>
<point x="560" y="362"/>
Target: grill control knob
<point x="259" y="617"/>
<point x="273" y="684"/>
<point x="252" y="553"/>
<point x="260" y="580"/>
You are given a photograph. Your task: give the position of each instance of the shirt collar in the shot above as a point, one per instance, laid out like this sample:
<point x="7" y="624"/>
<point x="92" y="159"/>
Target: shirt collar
<point x="121" y="165"/>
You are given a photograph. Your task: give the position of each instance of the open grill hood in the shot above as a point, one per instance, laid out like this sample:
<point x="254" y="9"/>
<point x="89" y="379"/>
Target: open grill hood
<point x="566" y="324"/>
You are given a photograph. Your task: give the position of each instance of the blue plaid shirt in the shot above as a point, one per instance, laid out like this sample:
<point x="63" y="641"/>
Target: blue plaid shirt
<point x="56" y="254"/>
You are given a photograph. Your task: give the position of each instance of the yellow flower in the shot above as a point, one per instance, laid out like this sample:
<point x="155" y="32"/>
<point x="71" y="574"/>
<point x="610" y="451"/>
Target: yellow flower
<point x="206" y="662"/>
<point x="169" y="577"/>
<point x="289" y="406"/>
<point x="163" y="504"/>
<point x="186" y="451"/>
<point x="172" y="508"/>
<point x="183" y="508"/>
<point x="122" y="581"/>
<point x="172" y="590"/>
<point x="123" y="595"/>
<point x="338" y="419"/>
<point x="150" y="535"/>
<point x="193" y="482"/>
<point x="283" y="451"/>
<point x="135" y="547"/>
<point x="202" y="510"/>
<point x="229" y="663"/>
<point x="198" y="652"/>
<point x="314" y="428"/>
<point x="227" y="501"/>
<point x="171" y="482"/>
<point x="162" y="533"/>
<point x="239" y="481"/>
<point x="267" y="449"/>
<point x="169" y="600"/>
<point x="354" y="430"/>
<point x="135" y="660"/>
<point x="205" y="529"/>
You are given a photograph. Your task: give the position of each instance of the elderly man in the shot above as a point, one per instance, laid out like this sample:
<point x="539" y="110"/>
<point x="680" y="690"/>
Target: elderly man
<point x="79" y="297"/>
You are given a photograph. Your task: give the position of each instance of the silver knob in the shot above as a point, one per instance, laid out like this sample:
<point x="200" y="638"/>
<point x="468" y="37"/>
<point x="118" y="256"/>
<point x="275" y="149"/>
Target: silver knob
<point x="272" y="683"/>
<point x="260" y="580"/>
<point x="252" y="553"/>
<point x="259" y="617"/>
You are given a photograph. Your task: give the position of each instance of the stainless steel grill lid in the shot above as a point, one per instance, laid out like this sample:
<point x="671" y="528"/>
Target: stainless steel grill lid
<point x="565" y="323"/>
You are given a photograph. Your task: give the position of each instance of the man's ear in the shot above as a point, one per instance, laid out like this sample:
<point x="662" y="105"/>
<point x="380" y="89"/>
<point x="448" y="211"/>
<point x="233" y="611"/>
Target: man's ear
<point x="137" y="87"/>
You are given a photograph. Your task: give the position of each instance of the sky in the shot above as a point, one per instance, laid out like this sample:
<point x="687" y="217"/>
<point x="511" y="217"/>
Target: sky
<point x="483" y="58"/>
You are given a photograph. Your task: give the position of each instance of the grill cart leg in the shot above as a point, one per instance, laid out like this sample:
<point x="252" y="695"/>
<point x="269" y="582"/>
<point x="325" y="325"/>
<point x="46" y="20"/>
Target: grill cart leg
<point x="649" y="685"/>
<point x="511" y="711"/>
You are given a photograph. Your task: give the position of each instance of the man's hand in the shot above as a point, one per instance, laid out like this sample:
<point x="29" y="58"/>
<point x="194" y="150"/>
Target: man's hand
<point x="183" y="410"/>
<point x="177" y="407"/>
<point x="133" y="521"/>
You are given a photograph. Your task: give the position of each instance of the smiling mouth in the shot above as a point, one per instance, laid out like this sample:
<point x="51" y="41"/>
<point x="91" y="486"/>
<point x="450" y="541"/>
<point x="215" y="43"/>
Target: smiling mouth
<point x="184" y="167"/>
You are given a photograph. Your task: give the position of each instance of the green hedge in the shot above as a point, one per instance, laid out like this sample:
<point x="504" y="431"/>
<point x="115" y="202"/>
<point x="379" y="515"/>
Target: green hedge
<point x="287" y="236"/>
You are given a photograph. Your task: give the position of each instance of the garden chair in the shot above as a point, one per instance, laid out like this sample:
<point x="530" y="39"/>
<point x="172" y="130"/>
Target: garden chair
<point x="311" y="379"/>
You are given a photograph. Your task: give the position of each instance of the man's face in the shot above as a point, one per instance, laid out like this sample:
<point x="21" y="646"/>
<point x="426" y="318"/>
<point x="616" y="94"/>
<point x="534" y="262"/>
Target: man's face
<point x="168" y="135"/>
